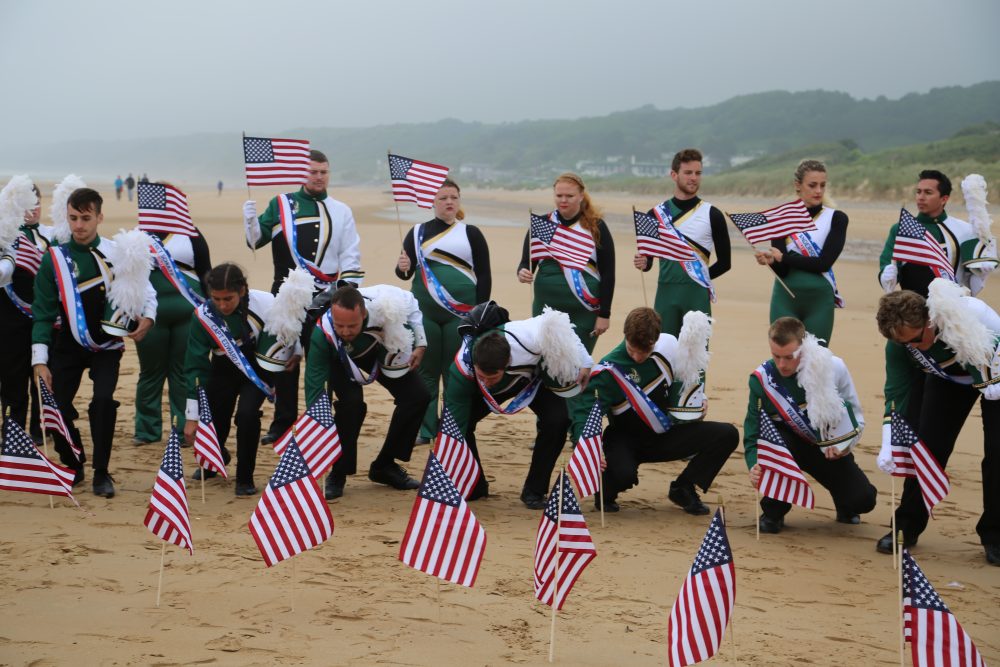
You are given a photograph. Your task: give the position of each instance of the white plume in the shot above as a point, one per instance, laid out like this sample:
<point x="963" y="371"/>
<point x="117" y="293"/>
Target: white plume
<point x="957" y="323"/>
<point x="558" y="343"/>
<point x="692" y="348"/>
<point x="58" y="210"/>
<point x="16" y="199"/>
<point x="974" y="190"/>
<point x="131" y="263"/>
<point x="815" y="375"/>
<point x="289" y="309"/>
<point x="391" y="311"/>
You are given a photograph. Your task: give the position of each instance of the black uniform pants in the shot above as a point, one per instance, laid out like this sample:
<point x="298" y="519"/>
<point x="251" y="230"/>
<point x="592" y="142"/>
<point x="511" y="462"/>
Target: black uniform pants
<point x="17" y="388"/>
<point x="943" y="410"/>
<point x="229" y="391"/>
<point x="286" y="401"/>
<point x="625" y="449"/>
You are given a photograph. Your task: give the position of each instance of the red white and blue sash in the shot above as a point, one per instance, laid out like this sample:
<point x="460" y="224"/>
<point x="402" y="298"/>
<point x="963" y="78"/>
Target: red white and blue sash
<point x="523" y="398"/>
<point x="287" y="216"/>
<point x="169" y="269"/>
<point x="69" y="294"/>
<point x="217" y="329"/>
<point x="929" y="365"/>
<point x="326" y="326"/>
<point x="650" y="413"/>
<point x="695" y="268"/>
<point x="787" y="407"/>
<point x="18" y="302"/>
<point x="808" y="248"/>
<point x="434" y="287"/>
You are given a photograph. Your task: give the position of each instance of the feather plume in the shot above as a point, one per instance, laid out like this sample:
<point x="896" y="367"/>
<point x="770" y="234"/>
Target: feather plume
<point x="974" y="190"/>
<point x="16" y="199"/>
<point x="815" y="375"/>
<point x="58" y="211"/>
<point x="692" y="348"/>
<point x="289" y="309"/>
<point x="131" y="263"/>
<point x="958" y="324"/>
<point x="558" y="343"/>
<point x="391" y="310"/>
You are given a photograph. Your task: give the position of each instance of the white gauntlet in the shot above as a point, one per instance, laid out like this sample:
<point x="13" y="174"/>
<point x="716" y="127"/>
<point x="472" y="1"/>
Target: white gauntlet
<point x="888" y="277"/>
<point x="251" y="225"/>
<point x="885" y="463"/>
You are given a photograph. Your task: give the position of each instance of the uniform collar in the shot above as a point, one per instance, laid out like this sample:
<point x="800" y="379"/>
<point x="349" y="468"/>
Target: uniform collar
<point x="928" y="220"/>
<point x="307" y="195"/>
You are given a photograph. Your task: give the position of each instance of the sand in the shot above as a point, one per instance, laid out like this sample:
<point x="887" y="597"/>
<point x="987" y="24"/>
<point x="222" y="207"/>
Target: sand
<point x="80" y="587"/>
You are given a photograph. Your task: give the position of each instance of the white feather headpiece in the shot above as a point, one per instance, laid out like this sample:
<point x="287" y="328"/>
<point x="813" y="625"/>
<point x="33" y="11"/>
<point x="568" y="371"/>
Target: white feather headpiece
<point x="815" y="375"/>
<point x="974" y="190"/>
<point x="131" y="263"/>
<point x="58" y="211"/>
<point x="692" y="348"/>
<point x="558" y="342"/>
<point x="288" y="312"/>
<point x="390" y="311"/>
<point x="17" y="198"/>
<point x="957" y="324"/>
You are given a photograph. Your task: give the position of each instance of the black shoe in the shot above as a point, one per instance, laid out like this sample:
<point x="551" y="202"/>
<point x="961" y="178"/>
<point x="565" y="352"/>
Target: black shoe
<point x="771" y="526"/>
<point x="103" y="484"/>
<point x="269" y="438"/>
<point x="421" y="441"/>
<point x="992" y="553"/>
<point x="393" y="475"/>
<point x="244" y="489"/>
<point x="687" y="498"/>
<point x="610" y="505"/>
<point x="532" y="500"/>
<point x="884" y="545"/>
<point x="202" y="472"/>
<point x="480" y="490"/>
<point x="848" y="517"/>
<point x="78" y="476"/>
<point x="334" y="487"/>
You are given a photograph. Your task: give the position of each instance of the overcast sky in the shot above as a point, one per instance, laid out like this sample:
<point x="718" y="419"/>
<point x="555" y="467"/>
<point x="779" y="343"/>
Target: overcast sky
<point x="101" y="69"/>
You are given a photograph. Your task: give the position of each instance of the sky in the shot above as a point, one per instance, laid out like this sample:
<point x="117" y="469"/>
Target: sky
<point x="104" y="70"/>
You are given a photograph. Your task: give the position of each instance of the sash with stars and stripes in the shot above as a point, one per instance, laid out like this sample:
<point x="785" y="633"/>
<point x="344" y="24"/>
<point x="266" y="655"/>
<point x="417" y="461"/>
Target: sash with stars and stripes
<point x="169" y="269"/>
<point x="783" y="402"/>
<point x="808" y="248"/>
<point x="291" y="238"/>
<point x="69" y="294"/>
<point x="326" y="326"/>
<point x="648" y="411"/>
<point x="931" y="366"/>
<point x="695" y="268"/>
<point x="523" y="398"/>
<point x="434" y="287"/>
<point x="217" y="329"/>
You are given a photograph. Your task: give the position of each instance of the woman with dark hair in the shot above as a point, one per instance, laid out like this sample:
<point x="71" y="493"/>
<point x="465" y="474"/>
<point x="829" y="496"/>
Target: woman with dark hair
<point x="805" y="260"/>
<point x="453" y="262"/>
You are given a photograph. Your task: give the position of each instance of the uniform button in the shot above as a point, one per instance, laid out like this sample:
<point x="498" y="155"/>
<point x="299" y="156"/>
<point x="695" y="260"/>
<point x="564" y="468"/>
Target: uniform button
<point x="102" y="288"/>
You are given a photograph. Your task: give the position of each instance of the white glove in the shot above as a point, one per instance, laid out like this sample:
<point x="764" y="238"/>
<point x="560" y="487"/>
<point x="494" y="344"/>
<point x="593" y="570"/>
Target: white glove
<point x="885" y="463"/>
<point x="6" y="270"/>
<point x="888" y="277"/>
<point x="251" y="225"/>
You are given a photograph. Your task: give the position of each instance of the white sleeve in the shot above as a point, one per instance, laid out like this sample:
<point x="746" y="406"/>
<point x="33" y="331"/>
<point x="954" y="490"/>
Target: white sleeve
<point x="985" y="314"/>
<point x="149" y="309"/>
<point x="6" y="269"/>
<point x="39" y="354"/>
<point x="349" y="255"/>
<point x="585" y="360"/>
<point x="415" y="319"/>
<point x="845" y="387"/>
<point x="191" y="409"/>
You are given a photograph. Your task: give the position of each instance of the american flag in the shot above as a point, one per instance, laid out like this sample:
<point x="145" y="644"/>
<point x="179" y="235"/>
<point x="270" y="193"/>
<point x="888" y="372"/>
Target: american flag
<point x="27" y="255"/>
<point x="655" y="239"/>
<point x="275" y="161"/>
<point x="24" y="468"/>
<point x="443" y="537"/>
<point x="316" y="435"/>
<point x="915" y="244"/>
<point x="168" y="517"/>
<point x="702" y="610"/>
<point x="571" y="247"/>
<point x="292" y="515"/>
<point x="164" y="208"/>
<point x="52" y="419"/>
<point x="207" y="451"/>
<point x="935" y="635"/>
<point x="585" y="464"/>
<point x="416" y="181"/>
<point x="913" y="459"/>
<point x="781" y="477"/>
<point x="455" y="456"/>
<point x="562" y="538"/>
<point x="776" y="222"/>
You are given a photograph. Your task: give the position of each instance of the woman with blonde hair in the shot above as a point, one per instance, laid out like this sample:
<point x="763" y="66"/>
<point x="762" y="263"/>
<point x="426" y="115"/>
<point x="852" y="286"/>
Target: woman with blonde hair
<point x="805" y="260"/>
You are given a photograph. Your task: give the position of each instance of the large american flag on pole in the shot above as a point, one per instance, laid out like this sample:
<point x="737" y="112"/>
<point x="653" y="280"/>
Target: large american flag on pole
<point x="913" y="459"/>
<point x="585" y="464"/>
<point x="207" y="451"/>
<point x="776" y="222"/>
<point x="704" y="606"/>
<point x="656" y="239"/>
<point x="455" y="456"/>
<point x="52" y="418"/>
<point x="168" y="517"/>
<point x="292" y="515"/>
<point x="163" y="208"/>
<point x="275" y="161"/>
<point x="563" y="546"/>
<point x="572" y="247"/>
<point x="414" y="180"/>
<point x="914" y="244"/>
<point x="781" y="477"/>
<point x="27" y="255"/>
<point x="24" y="468"/>
<point x="936" y="637"/>
<point x="316" y="435"/>
<point x="443" y="537"/>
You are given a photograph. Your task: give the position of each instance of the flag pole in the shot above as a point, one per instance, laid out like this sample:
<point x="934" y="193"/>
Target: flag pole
<point x="555" y="580"/>
<point x="253" y="250"/>
<point x="600" y="484"/>
<point x="756" y="492"/>
<point x="642" y="279"/>
<point x="776" y="276"/>
<point x="159" y="586"/>
<point x="899" y="542"/>
<point x="892" y="520"/>
<point x="399" y="223"/>
<point x="45" y="440"/>
<point x="732" y="624"/>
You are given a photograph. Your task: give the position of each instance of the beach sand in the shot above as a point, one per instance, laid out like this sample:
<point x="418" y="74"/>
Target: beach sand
<point x="80" y="587"/>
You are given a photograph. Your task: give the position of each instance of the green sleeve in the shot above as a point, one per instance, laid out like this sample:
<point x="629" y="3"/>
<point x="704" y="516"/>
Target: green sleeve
<point x="318" y="362"/>
<point x="268" y="221"/>
<point x="900" y="374"/>
<point x="45" y="308"/>
<point x="459" y="392"/>
<point x="579" y="408"/>
<point x="751" y="422"/>
<point x="885" y="259"/>
<point x="197" y="357"/>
